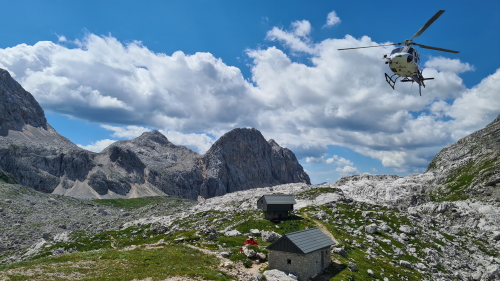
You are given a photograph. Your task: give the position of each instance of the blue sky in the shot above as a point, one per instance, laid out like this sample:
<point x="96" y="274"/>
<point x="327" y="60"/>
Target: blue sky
<point x="110" y="70"/>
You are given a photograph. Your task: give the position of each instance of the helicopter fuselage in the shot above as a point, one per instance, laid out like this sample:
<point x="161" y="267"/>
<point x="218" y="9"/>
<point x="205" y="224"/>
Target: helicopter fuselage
<point x="403" y="61"/>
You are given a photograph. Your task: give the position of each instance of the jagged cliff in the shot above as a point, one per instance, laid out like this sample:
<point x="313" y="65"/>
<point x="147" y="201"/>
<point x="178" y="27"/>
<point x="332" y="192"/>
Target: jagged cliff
<point x="471" y="166"/>
<point x="35" y="155"/>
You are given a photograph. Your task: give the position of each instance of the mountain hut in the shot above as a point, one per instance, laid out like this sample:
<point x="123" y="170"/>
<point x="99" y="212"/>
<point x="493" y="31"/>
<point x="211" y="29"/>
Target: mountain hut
<point x="276" y="206"/>
<point x="303" y="253"/>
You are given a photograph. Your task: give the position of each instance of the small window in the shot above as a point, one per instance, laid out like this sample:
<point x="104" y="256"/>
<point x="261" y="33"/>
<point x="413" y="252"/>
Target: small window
<point x="288" y="261"/>
<point x="397" y="50"/>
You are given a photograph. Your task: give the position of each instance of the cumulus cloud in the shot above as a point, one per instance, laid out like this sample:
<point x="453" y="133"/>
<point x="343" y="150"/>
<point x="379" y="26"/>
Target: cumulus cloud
<point x="104" y="80"/>
<point x="332" y="19"/>
<point x="127" y="132"/>
<point x="344" y="166"/>
<point x="448" y="65"/>
<point x="197" y="142"/>
<point x="347" y="170"/>
<point x="97" y="146"/>
<point x="339" y="98"/>
<point x="297" y="39"/>
<point x="339" y="161"/>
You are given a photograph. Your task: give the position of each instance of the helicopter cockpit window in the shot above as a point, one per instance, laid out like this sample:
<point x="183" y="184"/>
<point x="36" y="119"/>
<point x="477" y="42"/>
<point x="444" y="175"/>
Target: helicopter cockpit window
<point x="410" y="51"/>
<point x="397" y="50"/>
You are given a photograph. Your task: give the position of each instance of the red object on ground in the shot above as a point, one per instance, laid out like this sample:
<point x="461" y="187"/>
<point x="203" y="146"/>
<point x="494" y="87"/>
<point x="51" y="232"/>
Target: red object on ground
<point x="250" y="241"/>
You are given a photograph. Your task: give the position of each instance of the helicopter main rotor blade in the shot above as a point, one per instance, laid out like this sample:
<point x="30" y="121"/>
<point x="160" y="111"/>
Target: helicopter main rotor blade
<point x="435" y="48"/>
<point x="368" y="47"/>
<point x="429" y="22"/>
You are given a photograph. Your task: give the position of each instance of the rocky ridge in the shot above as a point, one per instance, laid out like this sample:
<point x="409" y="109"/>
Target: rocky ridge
<point x="35" y="155"/>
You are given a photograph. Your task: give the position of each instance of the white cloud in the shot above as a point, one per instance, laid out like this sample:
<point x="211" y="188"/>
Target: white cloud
<point x="332" y="19"/>
<point x="97" y="146"/>
<point x="338" y="161"/>
<point x="346" y="170"/>
<point x="339" y="98"/>
<point x="106" y="81"/>
<point x="297" y="39"/>
<point x="197" y="142"/>
<point x="301" y="28"/>
<point x="448" y="65"/>
<point x="128" y="132"/>
<point x="61" y="38"/>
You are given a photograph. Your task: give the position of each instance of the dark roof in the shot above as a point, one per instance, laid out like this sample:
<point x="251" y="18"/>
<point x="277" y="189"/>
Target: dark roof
<point x="279" y="199"/>
<point x="302" y="242"/>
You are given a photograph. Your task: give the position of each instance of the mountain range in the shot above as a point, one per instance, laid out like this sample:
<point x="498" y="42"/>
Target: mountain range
<point x="35" y="155"/>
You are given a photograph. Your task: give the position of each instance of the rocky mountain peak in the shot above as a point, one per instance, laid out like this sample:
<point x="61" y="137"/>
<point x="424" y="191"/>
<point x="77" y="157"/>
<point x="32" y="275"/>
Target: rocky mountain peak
<point x="154" y="136"/>
<point x="242" y="159"/>
<point x="273" y="143"/>
<point x="18" y="107"/>
<point x="239" y="137"/>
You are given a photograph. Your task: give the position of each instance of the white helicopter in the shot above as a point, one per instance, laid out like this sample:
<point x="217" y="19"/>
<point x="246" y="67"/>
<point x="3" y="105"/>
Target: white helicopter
<point x="403" y="61"/>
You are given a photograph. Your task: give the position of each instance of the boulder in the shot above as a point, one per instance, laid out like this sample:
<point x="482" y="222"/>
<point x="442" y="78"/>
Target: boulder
<point x="340" y="251"/>
<point x="386" y="228"/>
<point x="225" y="254"/>
<point x="232" y="233"/>
<point x="158" y="227"/>
<point x="352" y="267"/>
<point x="255" y="232"/>
<point x="250" y="253"/>
<point x="491" y="273"/>
<point x="405" y="264"/>
<point x="260" y="255"/>
<point x="277" y="275"/>
<point x="270" y="236"/>
<point x="371" y="229"/>
<point x="407" y="230"/>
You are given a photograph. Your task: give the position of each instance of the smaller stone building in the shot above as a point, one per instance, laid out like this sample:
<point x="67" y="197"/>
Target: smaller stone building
<point x="303" y="253"/>
<point x="276" y="206"/>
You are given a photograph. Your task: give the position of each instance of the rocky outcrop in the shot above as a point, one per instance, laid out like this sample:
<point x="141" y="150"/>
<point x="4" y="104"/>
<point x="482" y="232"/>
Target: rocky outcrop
<point x="35" y="155"/>
<point x="18" y="107"/>
<point x="471" y="165"/>
<point x="242" y="159"/>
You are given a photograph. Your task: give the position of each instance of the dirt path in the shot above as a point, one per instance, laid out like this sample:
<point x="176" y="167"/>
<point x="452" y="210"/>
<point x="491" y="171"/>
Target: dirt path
<point x="239" y="270"/>
<point x="321" y="227"/>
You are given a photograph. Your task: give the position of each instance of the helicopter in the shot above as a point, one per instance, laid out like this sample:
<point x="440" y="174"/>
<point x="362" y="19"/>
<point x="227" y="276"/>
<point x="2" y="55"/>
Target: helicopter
<point x="403" y="61"/>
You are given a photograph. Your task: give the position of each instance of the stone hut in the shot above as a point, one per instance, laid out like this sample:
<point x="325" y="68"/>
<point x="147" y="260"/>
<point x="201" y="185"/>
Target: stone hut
<point x="303" y="253"/>
<point x="276" y="206"/>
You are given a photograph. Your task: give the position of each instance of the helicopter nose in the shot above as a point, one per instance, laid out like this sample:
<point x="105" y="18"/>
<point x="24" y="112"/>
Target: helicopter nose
<point x="400" y="58"/>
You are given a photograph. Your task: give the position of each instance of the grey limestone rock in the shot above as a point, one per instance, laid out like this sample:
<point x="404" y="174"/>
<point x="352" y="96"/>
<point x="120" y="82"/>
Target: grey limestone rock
<point x="340" y="251"/>
<point x="270" y="236"/>
<point x="242" y="159"/>
<point x="225" y="254"/>
<point x="232" y="233"/>
<point x="277" y="275"/>
<point x="18" y="108"/>
<point x="371" y="229"/>
<point x="407" y="230"/>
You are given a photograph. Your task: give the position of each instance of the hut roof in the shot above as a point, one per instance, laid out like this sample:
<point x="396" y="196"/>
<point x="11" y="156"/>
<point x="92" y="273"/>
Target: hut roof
<point x="302" y="242"/>
<point x="280" y="199"/>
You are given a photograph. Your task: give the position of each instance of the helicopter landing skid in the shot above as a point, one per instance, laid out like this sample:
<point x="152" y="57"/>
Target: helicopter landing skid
<point x="389" y="80"/>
